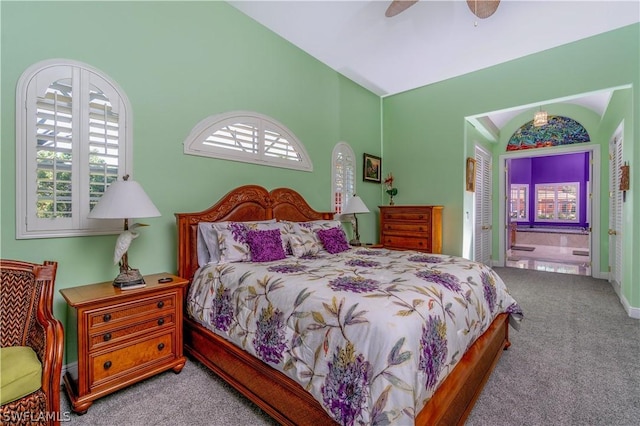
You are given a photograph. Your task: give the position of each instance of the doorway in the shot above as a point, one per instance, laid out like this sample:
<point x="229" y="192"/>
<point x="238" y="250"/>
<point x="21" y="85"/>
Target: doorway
<point x="549" y="225"/>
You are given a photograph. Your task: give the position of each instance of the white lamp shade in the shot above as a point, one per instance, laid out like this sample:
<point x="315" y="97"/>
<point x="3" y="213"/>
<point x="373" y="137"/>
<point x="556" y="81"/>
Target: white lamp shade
<point x="356" y="205"/>
<point x="124" y="199"/>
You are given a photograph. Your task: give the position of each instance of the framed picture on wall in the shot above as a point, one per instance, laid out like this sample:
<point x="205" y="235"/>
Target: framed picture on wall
<point x="372" y="168"/>
<point x="471" y="174"/>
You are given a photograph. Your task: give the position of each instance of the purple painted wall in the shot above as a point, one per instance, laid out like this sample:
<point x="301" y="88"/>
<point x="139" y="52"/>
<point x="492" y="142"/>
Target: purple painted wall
<point x="552" y="169"/>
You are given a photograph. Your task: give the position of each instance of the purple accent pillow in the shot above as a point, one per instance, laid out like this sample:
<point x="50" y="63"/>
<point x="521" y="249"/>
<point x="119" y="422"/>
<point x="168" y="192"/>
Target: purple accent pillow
<point x="333" y="240"/>
<point x="265" y="245"/>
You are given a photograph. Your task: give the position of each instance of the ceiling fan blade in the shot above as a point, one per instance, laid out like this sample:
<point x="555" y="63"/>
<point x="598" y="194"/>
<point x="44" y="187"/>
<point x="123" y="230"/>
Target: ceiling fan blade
<point x="398" y="6"/>
<point x="483" y="8"/>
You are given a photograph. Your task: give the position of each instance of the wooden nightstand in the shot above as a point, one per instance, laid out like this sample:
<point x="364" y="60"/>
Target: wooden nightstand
<point x="123" y="336"/>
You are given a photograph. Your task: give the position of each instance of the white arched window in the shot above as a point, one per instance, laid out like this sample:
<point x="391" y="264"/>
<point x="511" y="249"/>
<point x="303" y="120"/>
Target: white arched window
<point x="343" y="182"/>
<point x="248" y="137"/>
<point x="73" y="133"/>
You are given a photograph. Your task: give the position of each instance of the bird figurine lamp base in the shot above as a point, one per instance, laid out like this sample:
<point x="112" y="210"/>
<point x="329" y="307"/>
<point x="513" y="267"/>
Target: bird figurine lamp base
<point x="129" y="279"/>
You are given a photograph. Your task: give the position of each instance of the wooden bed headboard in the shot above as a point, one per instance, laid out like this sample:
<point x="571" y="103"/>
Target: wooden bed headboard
<point x="245" y="203"/>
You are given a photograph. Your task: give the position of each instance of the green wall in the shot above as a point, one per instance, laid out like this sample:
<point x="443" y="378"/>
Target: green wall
<point x="425" y="140"/>
<point x="179" y="62"/>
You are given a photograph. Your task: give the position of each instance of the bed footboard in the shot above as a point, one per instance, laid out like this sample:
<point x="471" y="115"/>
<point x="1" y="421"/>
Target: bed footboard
<point x="289" y="404"/>
<point x="279" y="396"/>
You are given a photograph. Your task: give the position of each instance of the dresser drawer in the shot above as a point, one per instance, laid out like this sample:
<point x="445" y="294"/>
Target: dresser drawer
<point x="130" y="358"/>
<point x="115" y="335"/>
<point x="408" y="243"/>
<point x="406" y="228"/>
<point x="408" y="215"/>
<point x="124" y="311"/>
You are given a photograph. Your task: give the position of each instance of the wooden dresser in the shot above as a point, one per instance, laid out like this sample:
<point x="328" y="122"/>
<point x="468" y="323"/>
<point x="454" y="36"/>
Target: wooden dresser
<point x="123" y="336"/>
<point x="411" y="228"/>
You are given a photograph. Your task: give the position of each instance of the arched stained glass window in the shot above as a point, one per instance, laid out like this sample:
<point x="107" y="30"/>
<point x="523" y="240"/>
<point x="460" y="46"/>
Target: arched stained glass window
<point x="558" y="131"/>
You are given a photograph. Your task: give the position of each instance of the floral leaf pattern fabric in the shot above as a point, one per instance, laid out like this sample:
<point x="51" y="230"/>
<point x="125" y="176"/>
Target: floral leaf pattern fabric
<point x="303" y="236"/>
<point x="369" y="333"/>
<point x="232" y="239"/>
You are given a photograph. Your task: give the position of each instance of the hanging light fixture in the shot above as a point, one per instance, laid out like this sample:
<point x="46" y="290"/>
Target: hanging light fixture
<point x="540" y="118"/>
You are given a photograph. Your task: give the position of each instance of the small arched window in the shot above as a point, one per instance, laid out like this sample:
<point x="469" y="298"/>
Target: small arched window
<point x="248" y="137"/>
<point x="343" y="182"/>
<point x="73" y="133"/>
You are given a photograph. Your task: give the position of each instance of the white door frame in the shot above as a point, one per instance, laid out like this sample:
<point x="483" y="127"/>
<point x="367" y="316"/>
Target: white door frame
<point x="616" y="215"/>
<point x="594" y="204"/>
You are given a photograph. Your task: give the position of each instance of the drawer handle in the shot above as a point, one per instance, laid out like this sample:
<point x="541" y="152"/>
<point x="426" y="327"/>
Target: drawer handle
<point x="106" y="337"/>
<point x="106" y="317"/>
<point x="419" y="243"/>
<point x="160" y="346"/>
<point x="420" y="216"/>
<point x="160" y="304"/>
<point x="107" y="365"/>
<point x="161" y="321"/>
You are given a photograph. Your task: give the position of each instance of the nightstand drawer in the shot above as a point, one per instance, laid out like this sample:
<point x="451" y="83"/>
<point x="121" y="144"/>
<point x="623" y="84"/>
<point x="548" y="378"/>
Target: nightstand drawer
<point x="134" y="356"/>
<point x="116" y="335"/>
<point x="123" y="312"/>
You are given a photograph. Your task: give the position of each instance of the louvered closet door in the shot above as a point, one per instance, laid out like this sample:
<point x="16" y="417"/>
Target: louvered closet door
<point x="615" y="211"/>
<point x="483" y="218"/>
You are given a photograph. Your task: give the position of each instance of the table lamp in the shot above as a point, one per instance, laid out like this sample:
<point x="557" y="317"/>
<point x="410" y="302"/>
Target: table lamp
<point x="126" y="200"/>
<point x="355" y="205"/>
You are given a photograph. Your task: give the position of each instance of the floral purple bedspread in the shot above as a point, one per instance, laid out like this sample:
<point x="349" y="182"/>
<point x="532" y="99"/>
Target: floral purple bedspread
<point x="370" y="333"/>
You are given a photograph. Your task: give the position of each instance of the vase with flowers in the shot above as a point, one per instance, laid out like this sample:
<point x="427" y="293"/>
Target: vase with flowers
<point x="388" y="183"/>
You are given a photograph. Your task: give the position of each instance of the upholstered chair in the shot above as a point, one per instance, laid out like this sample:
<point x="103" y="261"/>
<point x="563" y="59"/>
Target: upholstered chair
<point x="31" y="344"/>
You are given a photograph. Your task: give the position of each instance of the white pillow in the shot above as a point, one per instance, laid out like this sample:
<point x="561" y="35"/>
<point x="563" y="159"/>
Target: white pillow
<point x="304" y="240"/>
<point x="206" y="243"/>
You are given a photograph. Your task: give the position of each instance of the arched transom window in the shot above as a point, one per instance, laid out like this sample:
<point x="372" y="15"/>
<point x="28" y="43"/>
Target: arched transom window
<point x="248" y="137"/>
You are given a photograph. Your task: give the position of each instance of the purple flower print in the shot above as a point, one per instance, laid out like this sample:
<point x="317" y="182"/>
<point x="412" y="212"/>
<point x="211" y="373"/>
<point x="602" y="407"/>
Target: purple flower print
<point x="362" y="263"/>
<point x="269" y="340"/>
<point x="368" y="253"/>
<point x="222" y="309"/>
<point x="424" y="259"/>
<point x="448" y="281"/>
<point x="354" y="284"/>
<point x="489" y="289"/>
<point x="433" y="349"/>
<point x="345" y="390"/>
<point x="239" y="232"/>
<point x="287" y="268"/>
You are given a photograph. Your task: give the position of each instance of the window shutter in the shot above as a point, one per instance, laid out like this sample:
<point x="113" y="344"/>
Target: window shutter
<point x="54" y="151"/>
<point x="343" y="176"/>
<point x="72" y="140"/>
<point x="104" y="145"/>
<point x="248" y="137"/>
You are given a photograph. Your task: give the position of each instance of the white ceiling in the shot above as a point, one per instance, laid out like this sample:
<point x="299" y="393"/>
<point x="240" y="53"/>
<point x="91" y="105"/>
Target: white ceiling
<point x="435" y="40"/>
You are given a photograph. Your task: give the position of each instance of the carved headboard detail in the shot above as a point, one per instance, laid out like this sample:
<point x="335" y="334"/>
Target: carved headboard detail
<point x="245" y="203"/>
